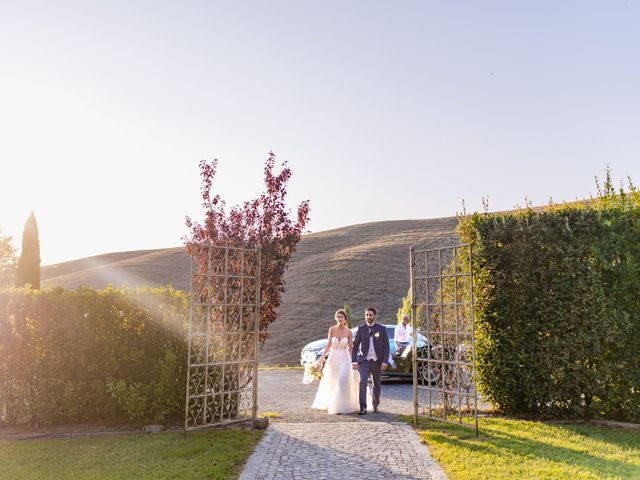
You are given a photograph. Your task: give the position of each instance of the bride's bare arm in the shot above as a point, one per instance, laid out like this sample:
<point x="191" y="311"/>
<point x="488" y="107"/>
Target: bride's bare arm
<point x="326" y="349"/>
<point x="350" y="337"/>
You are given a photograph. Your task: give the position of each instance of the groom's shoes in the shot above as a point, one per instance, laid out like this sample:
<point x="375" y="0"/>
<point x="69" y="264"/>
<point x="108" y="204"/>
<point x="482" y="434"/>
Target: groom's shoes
<point x="362" y="411"/>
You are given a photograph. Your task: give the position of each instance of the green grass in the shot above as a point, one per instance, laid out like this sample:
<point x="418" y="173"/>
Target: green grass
<point x="271" y="415"/>
<point x="282" y="367"/>
<point x="217" y="454"/>
<point x="519" y="449"/>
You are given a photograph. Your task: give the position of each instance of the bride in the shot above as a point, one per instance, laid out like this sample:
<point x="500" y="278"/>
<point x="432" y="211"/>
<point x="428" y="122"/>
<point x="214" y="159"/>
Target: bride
<point x="339" y="386"/>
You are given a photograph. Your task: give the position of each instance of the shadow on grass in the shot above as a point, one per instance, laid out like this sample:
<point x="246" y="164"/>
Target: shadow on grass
<point x="218" y="454"/>
<point x="581" y="447"/>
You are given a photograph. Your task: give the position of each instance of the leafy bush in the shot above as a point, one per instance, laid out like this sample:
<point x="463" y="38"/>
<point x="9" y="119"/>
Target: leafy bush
<point x="108" y="355"/>
<point x="405" y="308"/>
<point x="153" y="400"/>
<point x="263" y="221"/>
<point x="8" y="262"/>
<point x="558" y="309"/>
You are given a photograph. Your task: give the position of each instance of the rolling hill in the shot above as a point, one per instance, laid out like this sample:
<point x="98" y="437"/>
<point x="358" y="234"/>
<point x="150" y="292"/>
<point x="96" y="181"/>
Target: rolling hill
<point x="361" y="265"/>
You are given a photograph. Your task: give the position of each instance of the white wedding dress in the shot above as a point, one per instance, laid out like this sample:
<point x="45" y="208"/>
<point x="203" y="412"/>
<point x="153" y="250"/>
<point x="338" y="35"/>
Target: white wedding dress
<point x="340" y="384"/>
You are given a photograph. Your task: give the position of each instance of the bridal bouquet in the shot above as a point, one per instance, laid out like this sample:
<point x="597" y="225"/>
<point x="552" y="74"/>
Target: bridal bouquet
<point x="312" y="371"/>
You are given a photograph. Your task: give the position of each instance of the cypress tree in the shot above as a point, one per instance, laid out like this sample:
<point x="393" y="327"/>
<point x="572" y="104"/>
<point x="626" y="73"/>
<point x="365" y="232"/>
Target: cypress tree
<point x="29" y="262"/>
<point x="347" y="310"/>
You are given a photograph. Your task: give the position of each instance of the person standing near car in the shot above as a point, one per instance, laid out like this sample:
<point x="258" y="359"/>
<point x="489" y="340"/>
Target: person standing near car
<point x="369" y="356"/>
<point x="402" y="334"/>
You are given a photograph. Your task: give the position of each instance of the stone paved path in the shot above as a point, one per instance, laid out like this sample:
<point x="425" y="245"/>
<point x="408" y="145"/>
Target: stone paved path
<point x="341" y="451"/>
<point x="302" y="443"/>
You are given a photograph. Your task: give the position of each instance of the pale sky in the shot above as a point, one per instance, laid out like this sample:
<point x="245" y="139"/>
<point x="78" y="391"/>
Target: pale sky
<point x="384" y="109"/>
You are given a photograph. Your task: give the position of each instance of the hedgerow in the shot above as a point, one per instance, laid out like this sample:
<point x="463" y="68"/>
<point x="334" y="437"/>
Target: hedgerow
<point x="558" y="308"/>
<point x="109" y="356"/>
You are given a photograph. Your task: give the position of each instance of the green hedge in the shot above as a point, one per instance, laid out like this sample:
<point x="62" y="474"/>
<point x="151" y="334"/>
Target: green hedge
<point x="558" y="310"/>
<point x="108" y="356"/>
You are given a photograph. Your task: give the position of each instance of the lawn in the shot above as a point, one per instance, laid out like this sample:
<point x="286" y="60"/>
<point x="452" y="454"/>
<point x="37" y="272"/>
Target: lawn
<point x="282" y="367"/>
<point x="217" y="454"/>
<point x="508" y="449"/>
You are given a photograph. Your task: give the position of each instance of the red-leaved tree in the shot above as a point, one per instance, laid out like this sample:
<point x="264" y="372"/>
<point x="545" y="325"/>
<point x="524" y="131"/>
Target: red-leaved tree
<point x="265" y="222"/>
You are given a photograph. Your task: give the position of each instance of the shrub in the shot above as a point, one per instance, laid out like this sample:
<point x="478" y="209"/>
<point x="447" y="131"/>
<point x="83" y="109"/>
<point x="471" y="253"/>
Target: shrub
<point x="264" y="221"/>
<point x="108" y="355"/>
<point x="153" y="400"/>
<point x="405" y="308"/>
<point x="558" y="310"/>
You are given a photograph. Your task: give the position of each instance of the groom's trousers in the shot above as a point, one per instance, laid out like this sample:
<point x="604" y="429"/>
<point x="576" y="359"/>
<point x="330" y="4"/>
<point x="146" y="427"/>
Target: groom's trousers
<point x="366" y="368"/>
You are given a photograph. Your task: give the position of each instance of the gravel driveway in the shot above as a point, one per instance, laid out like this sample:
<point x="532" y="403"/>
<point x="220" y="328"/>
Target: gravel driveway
<point x="282" y="392"/>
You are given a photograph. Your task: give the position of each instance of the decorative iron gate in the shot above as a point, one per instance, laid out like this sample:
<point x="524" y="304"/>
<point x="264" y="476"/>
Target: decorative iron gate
<point x="224" y="319"/>
<point x="444" y="372"/>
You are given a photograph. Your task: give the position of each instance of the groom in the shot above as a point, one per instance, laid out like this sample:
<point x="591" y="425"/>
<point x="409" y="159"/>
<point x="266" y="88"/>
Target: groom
<point x="369" y="355"/>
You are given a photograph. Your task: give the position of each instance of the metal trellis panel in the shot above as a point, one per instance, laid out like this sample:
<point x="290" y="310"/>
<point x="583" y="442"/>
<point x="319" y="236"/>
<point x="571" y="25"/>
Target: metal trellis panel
<point x="223" y="336"/>
<point x="442" y="314"/>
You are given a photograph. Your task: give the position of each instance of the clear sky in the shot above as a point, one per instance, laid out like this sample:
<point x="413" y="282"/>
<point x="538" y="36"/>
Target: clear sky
<point x="383" y="109"/>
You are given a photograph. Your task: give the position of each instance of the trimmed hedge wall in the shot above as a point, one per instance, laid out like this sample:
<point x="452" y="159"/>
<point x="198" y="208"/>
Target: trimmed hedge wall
<point x="111" y="356"/>
<point x="558" y="310"/>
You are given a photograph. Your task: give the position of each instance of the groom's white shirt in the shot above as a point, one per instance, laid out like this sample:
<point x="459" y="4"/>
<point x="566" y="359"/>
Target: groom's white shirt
<point x="371" y="354"/>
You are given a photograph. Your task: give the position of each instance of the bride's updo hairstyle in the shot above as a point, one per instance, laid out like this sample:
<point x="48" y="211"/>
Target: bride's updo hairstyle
<point x="338" y="312"/>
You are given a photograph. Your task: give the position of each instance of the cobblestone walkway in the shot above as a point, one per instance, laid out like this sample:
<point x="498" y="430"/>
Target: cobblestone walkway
<point x="367" y="450"/>
<point x="302" y="443"/>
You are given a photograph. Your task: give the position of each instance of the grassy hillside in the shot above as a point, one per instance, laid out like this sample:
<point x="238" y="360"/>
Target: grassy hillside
<point x="141" y="267"/>
<point x="360" y="265"/>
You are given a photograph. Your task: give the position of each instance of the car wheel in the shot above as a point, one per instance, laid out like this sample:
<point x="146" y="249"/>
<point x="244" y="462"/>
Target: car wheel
<point x="423" y="373"/>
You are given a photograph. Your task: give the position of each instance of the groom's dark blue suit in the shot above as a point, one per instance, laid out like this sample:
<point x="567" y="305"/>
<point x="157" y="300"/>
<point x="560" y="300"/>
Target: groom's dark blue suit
<point x="359" y="353"/>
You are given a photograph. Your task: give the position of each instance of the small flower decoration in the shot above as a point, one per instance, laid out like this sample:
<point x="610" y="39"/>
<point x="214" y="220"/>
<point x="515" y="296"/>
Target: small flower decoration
<point x="376" y="335"/>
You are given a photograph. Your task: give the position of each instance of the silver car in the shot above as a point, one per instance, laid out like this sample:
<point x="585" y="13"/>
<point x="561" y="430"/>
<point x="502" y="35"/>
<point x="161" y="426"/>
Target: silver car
<point x="312" y="351"/>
